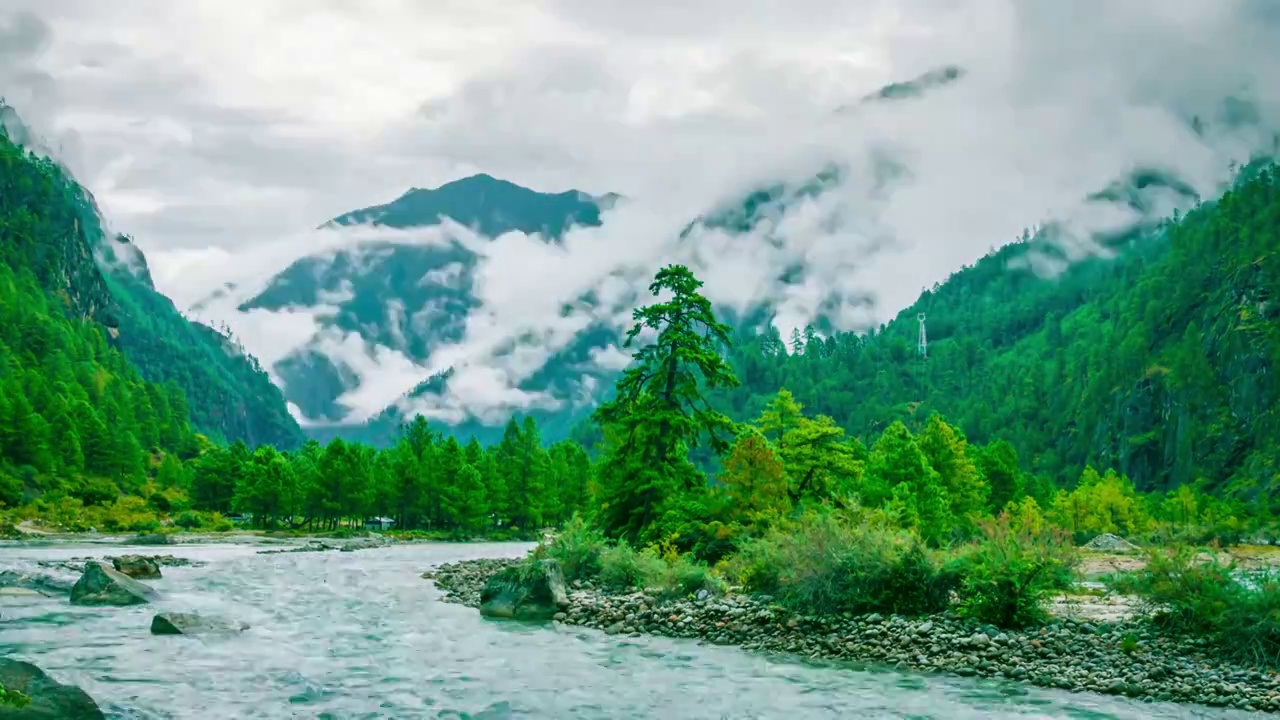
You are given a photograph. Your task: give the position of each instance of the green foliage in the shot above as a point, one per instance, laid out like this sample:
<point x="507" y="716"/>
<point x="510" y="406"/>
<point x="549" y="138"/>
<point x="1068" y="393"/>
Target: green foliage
<point x="658" y="414"/>
<point x="13" y="698"/>
<point x="1159" y="362"/>
<point x="578" y="548"/>
<point x="1010" y="573"/>
<point x="831" y="564"/>
<point x="1202" y="594"/>
<point x="624" y="568"/>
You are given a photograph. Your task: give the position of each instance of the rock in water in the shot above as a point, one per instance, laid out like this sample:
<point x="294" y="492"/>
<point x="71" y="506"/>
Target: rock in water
<point x="528" y="591"/>
<point x="50" y="700"/>
<point x="102" y="585"/>
<point x="191" y="624"/>
<point x="137" y="567"/>
<point x="150" y="539"/>
<point x="33" y="582"/>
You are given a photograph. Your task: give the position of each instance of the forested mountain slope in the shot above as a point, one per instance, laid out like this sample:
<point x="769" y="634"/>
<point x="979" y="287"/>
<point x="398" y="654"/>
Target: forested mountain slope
<point x="106" y="278"/>
<point x="1160" y="362"/>
<point x="231" y="396"/>
<point x="74" y="413"/>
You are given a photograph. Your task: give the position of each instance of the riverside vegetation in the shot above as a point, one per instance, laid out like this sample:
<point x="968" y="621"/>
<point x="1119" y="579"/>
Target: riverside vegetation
<point x="704" y="487"/>
<point x="786" y="534"/>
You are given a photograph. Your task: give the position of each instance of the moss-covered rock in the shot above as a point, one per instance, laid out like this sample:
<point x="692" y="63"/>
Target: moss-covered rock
<point x="101" y="584"/>
<point x="39" y="697"/>
<point x="527" y="591"/>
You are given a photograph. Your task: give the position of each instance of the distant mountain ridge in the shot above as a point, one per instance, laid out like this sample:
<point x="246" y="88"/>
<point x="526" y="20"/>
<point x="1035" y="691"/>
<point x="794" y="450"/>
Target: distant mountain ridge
<point x="406" y="298"/>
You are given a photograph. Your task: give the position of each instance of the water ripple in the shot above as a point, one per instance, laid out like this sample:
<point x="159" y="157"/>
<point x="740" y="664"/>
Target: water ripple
<point x="361" y="636"/>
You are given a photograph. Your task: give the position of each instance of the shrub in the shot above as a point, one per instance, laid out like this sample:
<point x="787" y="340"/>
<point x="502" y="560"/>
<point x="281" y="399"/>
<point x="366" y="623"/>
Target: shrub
<point x="578" y="548"/>
<point x="1200" y="594"/>
<point x="686" y="576"/>
<point x="622" y="567"/>
<point x="188" y="520"/>
<point x="828" y="565"/>
<point x="1012" y="570"/>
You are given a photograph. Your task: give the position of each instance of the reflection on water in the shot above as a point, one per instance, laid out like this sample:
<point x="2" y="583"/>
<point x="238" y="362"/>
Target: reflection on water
<point x="360" y="635"/>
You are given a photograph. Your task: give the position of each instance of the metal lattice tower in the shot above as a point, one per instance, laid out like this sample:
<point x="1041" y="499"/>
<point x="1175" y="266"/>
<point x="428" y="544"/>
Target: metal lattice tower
<point x="924" y="342"/>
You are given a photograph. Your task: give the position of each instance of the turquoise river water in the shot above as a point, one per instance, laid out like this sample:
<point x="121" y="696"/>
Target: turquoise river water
<point x="361" y="635"/>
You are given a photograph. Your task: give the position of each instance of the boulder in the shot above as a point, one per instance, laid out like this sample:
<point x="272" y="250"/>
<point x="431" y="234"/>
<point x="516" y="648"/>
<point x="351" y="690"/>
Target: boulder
<point x="1108" y="543"/>
<point x="46" y="699"/>
<point x="138" y="567"/>
<point x="150" y="539"/>
<point x="192" y="624"/>
<point x="33" y="583"/>
<point x="526" y="591"/>
<point x="102" y="585"/>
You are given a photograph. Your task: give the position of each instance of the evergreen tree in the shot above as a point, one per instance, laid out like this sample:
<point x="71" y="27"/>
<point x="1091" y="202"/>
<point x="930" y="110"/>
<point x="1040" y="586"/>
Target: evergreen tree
<point x="659" y="413"/>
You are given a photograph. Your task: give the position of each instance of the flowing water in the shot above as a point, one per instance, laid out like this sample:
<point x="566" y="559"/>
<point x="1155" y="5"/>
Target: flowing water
<point x="360" y="635"/>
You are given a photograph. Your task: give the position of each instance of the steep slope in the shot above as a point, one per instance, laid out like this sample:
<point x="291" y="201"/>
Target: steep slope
<point x="230" y="396"/>
<point x="74" y="414"/>
<point x="1160" y="363"/>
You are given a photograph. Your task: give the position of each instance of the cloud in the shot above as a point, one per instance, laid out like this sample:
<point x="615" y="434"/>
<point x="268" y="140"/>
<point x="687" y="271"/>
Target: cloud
<point x="217" y="135"/>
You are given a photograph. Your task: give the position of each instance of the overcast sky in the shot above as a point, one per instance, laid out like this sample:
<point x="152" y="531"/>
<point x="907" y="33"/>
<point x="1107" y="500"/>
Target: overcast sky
<point x="219" y="133"/>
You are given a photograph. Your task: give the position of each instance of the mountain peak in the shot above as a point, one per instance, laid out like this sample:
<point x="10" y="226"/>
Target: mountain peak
<point x="487" y="204"/>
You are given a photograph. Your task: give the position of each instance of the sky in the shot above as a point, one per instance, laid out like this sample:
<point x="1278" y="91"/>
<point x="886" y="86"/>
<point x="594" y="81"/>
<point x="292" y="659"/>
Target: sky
<point x="220" y="135"/>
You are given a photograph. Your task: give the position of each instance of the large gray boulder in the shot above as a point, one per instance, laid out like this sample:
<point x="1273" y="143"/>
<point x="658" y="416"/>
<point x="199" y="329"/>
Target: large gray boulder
<point x="526" y="591"/>
<point x="138" y="567"/>
<point x="101" y="584"/>
<point x="48" y="699"/>
<point x="192" y="624"/>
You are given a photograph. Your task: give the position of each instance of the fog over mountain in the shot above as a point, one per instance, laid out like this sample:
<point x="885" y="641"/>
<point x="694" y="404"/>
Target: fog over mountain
<point x="227" y="170"/>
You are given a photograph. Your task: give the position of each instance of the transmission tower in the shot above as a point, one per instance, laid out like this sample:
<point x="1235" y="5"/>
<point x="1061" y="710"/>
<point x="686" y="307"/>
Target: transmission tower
<point x="924" y="342"/>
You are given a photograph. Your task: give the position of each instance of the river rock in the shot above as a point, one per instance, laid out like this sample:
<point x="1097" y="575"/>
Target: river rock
<point x="1106" y="542"/>
<point x="533" y="591"/>
<point x="34" y="583"/>
<point x="50" y="700"/>
<point x="191" y="624"/>
<point x="150" y="539"/>
<point x="137" y="567"/>
<point x="102" y="585"/>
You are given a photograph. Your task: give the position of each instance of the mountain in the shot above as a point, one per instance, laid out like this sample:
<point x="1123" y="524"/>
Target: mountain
<point x="401" y="299"/>
<point x="75" y="415"/>
<point x="1160" y="362"/>
<point x="487" y="205"/>
<point x="229" y="396"/>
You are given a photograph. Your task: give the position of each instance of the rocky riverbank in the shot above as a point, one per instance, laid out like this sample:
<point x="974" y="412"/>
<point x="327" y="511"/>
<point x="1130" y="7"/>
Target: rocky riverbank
<point x="1121" y="658"/>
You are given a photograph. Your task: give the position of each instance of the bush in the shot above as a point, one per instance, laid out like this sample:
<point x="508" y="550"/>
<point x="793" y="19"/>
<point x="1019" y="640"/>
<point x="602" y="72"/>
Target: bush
<point x="829" y="565"/>
<point x="624" y="568"/>
<point x="189" y="520"/>
<point x="1013" y="569"/>
<point x="1200" y="594"/>
<point x="686" y="576"/>
<point x="578" y="548"/>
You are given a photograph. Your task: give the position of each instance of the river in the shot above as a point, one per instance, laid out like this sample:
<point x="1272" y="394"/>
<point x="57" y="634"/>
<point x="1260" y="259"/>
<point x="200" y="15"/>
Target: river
<point x="361" y="635"/>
